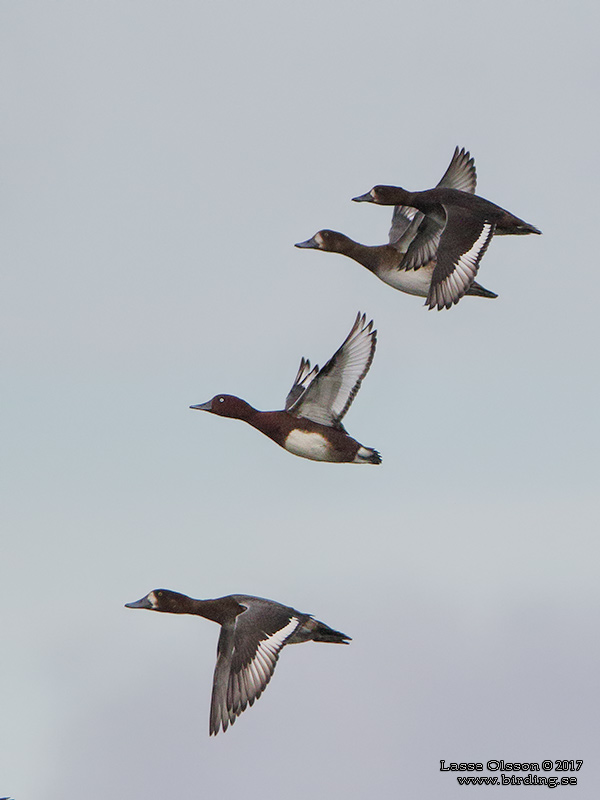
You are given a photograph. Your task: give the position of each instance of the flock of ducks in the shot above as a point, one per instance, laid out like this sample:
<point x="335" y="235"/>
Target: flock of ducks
<point x="437" y="240"/>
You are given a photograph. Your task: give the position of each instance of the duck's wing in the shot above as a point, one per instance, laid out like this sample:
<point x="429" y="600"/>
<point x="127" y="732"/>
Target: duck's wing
<point x="461" y="173"/>
<point x="331" y="393"/>
<point x="407" y="222"/>
<point x="402" y="217"/>
<point x="302" y="380"/>
<point x="462" y="245"/>
<point x="219" y="712"/>
<point x="425" y="242"/>
<point x="246" y="657"/>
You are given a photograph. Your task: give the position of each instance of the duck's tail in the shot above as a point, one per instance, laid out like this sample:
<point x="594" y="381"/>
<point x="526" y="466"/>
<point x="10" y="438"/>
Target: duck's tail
<point x="323" y="633"/>
<point x="366" y="455"/>
<point x="511" y="225"/>
<point x="477" y="290"/>
<point x="525" y="228"/>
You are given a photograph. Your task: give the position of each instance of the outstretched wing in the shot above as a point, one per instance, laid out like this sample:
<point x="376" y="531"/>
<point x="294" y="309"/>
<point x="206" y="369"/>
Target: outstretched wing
<point x="408" y="224"/>
<point x="331" y="392"/>
<point x="462" y="246"/>
<point x="247" y="654"/>
<point x="302" y="380"/>
<point x="461" y="173"/>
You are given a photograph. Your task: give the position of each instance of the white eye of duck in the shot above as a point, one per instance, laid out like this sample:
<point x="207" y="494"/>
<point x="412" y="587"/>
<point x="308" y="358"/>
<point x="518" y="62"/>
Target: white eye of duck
<point x="221" y="399"/>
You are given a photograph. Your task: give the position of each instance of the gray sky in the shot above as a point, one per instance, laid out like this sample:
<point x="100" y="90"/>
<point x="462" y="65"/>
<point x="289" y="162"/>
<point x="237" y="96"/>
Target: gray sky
<point x="159" y="162"/>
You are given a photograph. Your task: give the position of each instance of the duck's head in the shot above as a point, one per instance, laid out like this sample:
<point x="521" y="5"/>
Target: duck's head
<point x="332" y="241"/>
<point x="161" y="600"/>
<point x="383" y="196"/>
<point x="226" y="405"/>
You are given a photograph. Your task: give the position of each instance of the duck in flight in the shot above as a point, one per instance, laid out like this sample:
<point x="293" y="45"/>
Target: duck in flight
<point x="453" y="229"/>
<point x="253" y="632"/>
<point x="310" y="426"/>
<point x="386" y="260"/>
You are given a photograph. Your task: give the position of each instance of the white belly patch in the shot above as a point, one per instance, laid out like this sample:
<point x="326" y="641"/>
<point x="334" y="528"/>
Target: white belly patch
<point x="308" y="445"/>
<point x="414" y="281"/>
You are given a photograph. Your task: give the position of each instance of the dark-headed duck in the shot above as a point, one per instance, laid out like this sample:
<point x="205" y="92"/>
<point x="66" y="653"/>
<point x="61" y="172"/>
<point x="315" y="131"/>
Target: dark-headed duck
<point x="311" y="423"/>
<point x="386" y="260"/>
<point x="456" y="230"/>
<point x="253" y="631"/>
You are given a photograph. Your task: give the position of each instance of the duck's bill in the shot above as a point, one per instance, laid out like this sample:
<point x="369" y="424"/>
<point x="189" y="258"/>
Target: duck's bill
<point x="143" y="603"/>
<point x="203" y="406"/>
<point x="308" y="243"/>
<point x="363" y="198"/>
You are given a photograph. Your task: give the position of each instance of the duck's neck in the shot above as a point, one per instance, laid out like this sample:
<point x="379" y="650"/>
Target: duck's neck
<point x="272" y="423"/>
<point x="219" y="610"/>
<point x="245" y="411"/>
<point x="370" y="257"/>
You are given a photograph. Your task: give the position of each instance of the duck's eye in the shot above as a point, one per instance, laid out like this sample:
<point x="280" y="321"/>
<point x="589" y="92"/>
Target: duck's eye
<point x="221" y="399"/>
<point x="160" y="594"/>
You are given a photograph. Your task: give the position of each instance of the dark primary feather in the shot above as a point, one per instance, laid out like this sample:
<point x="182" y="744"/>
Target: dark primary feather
<point x="302" y="380"/>
<point x="219" y="715"/>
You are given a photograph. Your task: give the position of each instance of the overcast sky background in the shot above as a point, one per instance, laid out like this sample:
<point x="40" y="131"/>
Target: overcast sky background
<point x="159" y="162"/>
